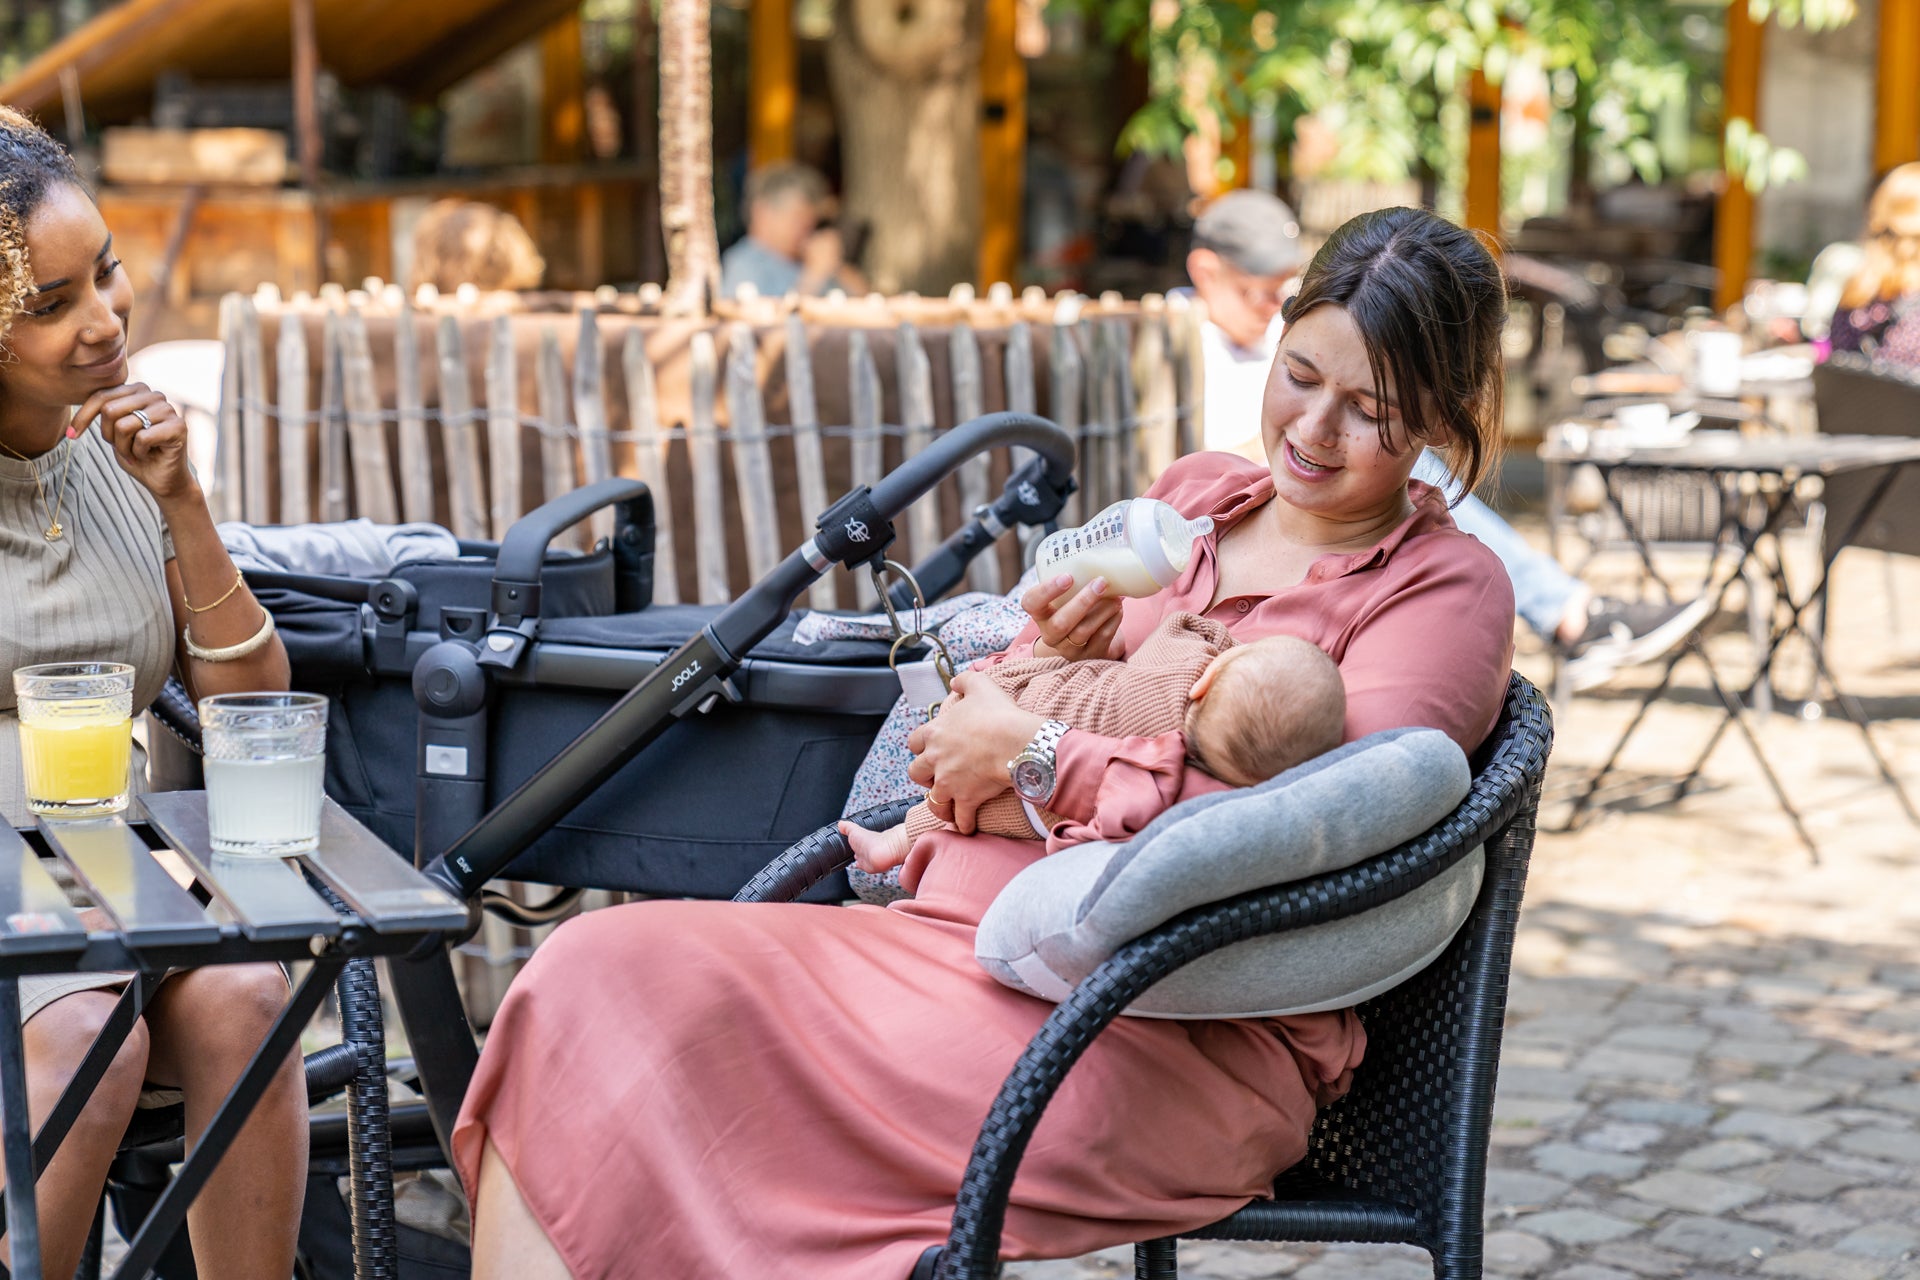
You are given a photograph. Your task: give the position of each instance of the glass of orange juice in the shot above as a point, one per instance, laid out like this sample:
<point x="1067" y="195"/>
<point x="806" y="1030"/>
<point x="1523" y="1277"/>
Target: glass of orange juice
<point x="76" y="736"/>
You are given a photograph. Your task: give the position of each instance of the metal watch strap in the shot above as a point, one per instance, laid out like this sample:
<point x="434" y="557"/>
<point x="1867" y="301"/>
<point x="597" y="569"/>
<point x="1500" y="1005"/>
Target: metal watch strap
<point x="1038" y="753"/>
<point x="1046" y="739"/>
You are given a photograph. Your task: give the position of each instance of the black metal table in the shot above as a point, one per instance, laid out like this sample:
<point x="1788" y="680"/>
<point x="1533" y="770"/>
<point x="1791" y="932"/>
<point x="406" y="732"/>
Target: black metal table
<point x="352" y="897"/>
<point x="1761" y="479"/>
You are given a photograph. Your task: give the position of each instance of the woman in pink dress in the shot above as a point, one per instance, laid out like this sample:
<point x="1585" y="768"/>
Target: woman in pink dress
<point x="708" y="1090"/>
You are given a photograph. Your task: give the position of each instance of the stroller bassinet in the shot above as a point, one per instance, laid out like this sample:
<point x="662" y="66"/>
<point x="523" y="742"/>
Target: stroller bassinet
<point x="428" y="736"/>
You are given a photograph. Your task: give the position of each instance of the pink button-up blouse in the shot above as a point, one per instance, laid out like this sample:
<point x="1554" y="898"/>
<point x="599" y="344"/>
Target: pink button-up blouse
<point x="1420" y="624"/>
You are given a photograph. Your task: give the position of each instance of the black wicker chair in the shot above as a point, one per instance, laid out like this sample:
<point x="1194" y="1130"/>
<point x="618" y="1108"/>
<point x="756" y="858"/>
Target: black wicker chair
<point x="1400" y="1159"/>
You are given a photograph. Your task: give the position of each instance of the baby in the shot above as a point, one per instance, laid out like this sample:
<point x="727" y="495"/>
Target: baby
<point x="1248" y="711"/>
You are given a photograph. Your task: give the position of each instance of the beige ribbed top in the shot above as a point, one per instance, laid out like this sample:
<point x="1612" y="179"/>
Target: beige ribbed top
<point x="97" y="594"/>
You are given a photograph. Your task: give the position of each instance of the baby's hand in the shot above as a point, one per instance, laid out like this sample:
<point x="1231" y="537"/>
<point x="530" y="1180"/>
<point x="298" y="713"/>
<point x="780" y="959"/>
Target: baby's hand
<point x="877" y="852"/>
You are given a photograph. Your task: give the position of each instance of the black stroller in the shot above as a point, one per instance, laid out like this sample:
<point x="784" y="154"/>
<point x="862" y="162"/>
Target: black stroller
<point x="562" y="729"/>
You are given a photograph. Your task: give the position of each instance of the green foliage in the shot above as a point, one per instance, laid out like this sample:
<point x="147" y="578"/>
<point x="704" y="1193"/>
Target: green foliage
<point x="1379" y="71"/>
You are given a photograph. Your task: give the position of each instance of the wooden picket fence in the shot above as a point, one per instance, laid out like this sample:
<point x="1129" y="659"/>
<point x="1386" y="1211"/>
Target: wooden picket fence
<point x="469" y="409"/>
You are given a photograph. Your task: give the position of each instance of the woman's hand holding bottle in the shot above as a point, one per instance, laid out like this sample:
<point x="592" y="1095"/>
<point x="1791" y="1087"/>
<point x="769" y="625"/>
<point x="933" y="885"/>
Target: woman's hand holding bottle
<point x="1073" y="624"/>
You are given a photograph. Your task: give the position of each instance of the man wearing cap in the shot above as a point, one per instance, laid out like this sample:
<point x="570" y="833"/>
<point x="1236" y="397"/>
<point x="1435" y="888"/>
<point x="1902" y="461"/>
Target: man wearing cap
<point x="1245" y="257"/>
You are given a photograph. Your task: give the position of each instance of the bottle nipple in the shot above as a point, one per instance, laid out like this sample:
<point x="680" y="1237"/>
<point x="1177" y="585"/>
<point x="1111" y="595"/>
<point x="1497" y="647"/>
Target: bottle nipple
<point x="1169" y="549"/>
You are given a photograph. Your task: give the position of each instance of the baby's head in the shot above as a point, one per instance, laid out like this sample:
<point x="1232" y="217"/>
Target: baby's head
<point x="1259" y="709"/>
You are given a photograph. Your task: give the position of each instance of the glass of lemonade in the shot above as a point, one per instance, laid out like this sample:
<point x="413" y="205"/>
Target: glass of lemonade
<point x="264" y="755"/>
<point x="76" y="736"/>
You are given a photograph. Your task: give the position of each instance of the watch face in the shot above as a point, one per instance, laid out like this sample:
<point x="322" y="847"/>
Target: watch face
<point x="1032" y="779"/>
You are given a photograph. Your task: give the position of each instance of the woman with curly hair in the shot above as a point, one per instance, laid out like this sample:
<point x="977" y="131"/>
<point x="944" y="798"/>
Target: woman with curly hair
<point x="1879" y="313"/>
<point x="108" y="553"/>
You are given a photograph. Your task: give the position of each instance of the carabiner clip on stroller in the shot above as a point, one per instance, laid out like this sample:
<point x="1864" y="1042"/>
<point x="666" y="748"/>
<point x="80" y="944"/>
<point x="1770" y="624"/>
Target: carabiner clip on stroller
<point x="729" y="740"/>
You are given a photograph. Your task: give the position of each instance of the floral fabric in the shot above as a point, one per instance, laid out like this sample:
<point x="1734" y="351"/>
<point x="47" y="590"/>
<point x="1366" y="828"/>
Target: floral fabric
<point x="972" y="626"/>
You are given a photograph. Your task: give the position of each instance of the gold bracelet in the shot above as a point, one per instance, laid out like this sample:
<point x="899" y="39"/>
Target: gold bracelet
<point x="238" y="578"/>
<point x="231" y="652"/>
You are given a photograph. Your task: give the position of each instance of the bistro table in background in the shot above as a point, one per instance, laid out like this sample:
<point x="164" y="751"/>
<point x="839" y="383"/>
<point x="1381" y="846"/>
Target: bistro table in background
<point x="351" y="897"/>
<point x="1761" y="478"/>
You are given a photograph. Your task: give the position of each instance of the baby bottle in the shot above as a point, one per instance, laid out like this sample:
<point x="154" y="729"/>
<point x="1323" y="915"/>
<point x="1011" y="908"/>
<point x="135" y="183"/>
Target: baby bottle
<point x="1139" y="545"/>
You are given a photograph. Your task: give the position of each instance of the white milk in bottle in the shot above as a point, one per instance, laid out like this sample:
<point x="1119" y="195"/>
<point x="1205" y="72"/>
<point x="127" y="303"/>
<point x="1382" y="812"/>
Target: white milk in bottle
<point x="1139" y="545"/>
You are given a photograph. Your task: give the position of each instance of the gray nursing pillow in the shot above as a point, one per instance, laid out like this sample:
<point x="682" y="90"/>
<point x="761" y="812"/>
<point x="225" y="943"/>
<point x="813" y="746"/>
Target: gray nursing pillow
<point x="1056" y="921"/>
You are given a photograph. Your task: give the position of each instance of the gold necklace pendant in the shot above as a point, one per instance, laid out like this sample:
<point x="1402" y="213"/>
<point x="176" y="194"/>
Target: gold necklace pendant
<point x="54" y="530"/>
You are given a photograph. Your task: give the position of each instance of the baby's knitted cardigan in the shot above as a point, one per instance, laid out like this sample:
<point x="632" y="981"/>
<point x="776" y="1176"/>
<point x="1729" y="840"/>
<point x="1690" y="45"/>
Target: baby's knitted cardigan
<point x="1142" y="696"/>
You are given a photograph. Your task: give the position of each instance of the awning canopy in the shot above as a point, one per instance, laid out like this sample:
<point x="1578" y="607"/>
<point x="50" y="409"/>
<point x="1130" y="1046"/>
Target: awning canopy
<point x="415" y="48"/>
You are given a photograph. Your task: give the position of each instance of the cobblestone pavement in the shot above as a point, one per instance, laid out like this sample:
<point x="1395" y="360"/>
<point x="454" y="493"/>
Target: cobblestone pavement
<point x="1712" y="1059"/>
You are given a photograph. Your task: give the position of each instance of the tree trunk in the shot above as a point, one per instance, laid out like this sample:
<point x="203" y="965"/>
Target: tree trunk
<point x="906" y="83"/>
<point x="646" y="137"/>
<point x="686" y="157"/>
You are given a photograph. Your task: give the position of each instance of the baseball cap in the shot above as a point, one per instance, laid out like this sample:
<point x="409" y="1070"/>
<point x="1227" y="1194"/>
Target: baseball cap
<point x="1253" y="230"/>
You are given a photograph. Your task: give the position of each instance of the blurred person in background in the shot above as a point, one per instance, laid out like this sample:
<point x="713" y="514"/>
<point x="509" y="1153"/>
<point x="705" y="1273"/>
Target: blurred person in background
<point x="1827" y="279"/>
<point x="786" y="249"/>
<point x="1879" y="311"/>
<point x="1243" y="264"/>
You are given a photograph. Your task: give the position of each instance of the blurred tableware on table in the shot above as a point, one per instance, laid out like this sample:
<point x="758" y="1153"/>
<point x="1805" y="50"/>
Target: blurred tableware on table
<point x="1651" y="425"/>
<point x="1781" y="364"/>
<point x="1716" y="361"/>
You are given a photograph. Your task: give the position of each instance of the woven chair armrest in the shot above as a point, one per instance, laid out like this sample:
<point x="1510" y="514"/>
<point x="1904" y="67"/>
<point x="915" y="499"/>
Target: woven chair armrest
<point x="1507" y="788"/>
<point x="173" y="710"/>
<point x="814" y="858"/>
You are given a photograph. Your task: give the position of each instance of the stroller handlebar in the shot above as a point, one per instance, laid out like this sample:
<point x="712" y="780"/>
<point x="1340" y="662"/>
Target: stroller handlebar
<point x="916" y="475"/>
<point x="516" y="575"/>
<point x="857" y="529"/>
<point x="700" y="672"/>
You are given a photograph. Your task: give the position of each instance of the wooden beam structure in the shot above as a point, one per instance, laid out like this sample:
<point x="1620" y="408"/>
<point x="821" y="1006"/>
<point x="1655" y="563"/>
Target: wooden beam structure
<point x="1003" y="142"/>
<point x="417" y="49"/>
<point x="1483" y="155"/>
<point x="563" y="92"/>
<point x="1733" y="219"/>
<point x="306" y="121"/>
<point x="773" y="73"/>
<point x="1896" y="122"/>
<point x="1239" y="150"/>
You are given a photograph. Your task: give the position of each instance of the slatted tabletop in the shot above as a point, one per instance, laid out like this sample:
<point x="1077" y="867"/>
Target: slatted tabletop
<point x="204" y="899"/>
<point x="169" y="901"/>
<point x="1729" y="451"/>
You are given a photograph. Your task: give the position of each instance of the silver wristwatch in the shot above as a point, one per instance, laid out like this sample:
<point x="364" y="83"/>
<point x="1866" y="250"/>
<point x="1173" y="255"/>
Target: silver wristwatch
<point x="1032" y="770"/>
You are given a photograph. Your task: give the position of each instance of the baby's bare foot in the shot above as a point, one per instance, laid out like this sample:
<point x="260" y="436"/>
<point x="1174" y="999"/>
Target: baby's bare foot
<point x="875" y="852"/>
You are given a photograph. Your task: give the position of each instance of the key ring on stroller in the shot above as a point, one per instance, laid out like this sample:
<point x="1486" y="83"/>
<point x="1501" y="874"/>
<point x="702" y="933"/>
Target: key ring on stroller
<point x="942" y="660"/>
<point x="886" y="598"/>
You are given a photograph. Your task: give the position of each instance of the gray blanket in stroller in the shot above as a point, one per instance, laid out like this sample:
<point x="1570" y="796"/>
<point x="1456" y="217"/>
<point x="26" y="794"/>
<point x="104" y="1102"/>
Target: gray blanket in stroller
<point x="346" y="549"/>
